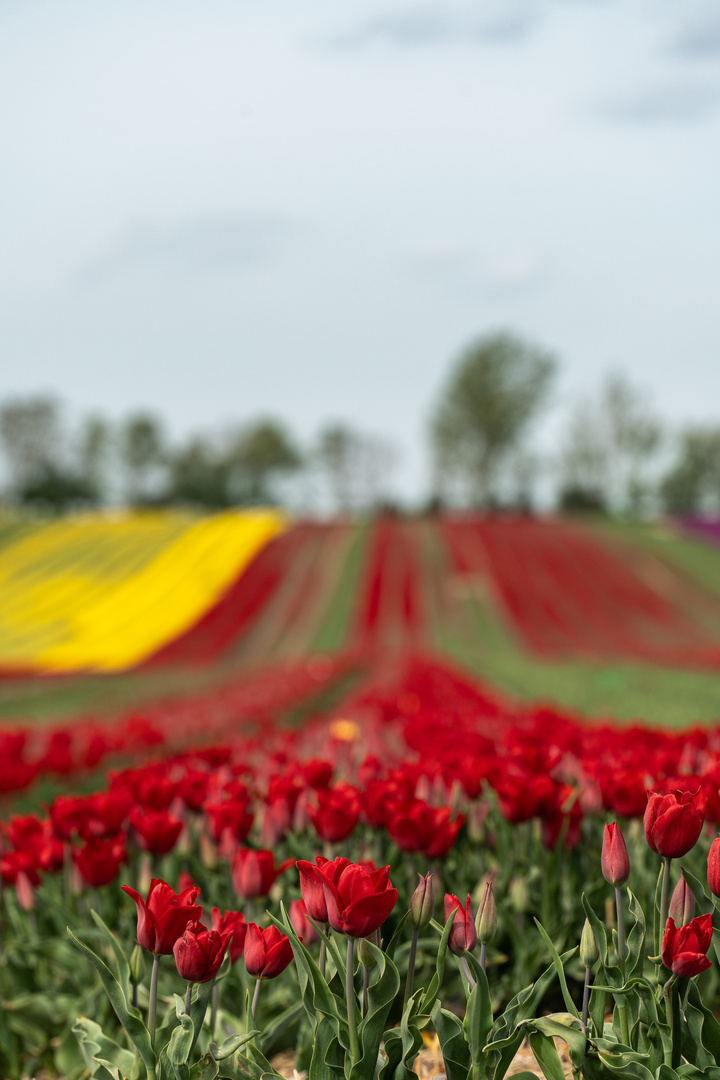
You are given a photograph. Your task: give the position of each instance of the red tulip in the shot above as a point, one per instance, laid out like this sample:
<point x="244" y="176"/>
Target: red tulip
<point x="267" y="952"/>
<point x="713" y="867"/>
<point x="463" y="936"/>
<point x="337" y="813"/>
<point x="358" y="900"/>
<point x="158" y="830"/>
<point x="614" y="859"/>
<point x="100" y="859"/>
<point x="682" y="903"/>
<point x="199" y="952"/>
<point x="254" y="872"/>
<point x="673" y="822"/>
<point x="231" y="816"/>
<point x="162" y="918"/>
<point x="301" y="924"/>
<point x="311" y="883"/>
<point x="684" y="949"/>
<point x="231" y="922"/>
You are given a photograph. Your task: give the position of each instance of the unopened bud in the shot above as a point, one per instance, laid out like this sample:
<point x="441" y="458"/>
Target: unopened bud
<point x="137" y="966"/>
<point x="422" y="903"/>
<point x="24" y="891"/>
<point x="588" y="946"/>
<point x="365" y="955"/>
<point x="486" y="918"/>
<point x="614" y="858"/>
<point x="682" y="904"/>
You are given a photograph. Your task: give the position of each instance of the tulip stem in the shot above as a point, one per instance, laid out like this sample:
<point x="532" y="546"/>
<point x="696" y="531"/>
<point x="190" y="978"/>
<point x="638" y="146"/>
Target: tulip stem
<point x="188" y="995"/>
<point x="669" y="1017"/>
<point x="664" y="898"/>
<point x="620" y="930"/>
<point x="323" y="955"/>
<point x="152" y="1004"/>
<point x="366" y="991"/>
<point x="466" y="973"/>
<point x="411" y="969"/>
<point x="253" y="1007"/>
<point x="483" y="956"/>
<point x="350" y="995"/>
<point x="586" y="996"/>
<point x="214" y="1005"/>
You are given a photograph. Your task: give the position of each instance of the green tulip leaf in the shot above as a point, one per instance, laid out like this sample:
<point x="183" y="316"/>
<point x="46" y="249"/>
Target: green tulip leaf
<point x="129" y="1019"/>
<point x="560" y="967"/>
<point x="100" y="1051"/>
<point x="455" y="1050"/>
<point x="546" y="1055"/>
<point x="121" y="959"/>
<point x="428" y="1001"/>
<point x="381" y="994"/>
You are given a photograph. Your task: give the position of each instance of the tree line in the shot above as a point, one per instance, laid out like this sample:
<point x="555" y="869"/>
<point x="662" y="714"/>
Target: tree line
<point x="614" y="453"/>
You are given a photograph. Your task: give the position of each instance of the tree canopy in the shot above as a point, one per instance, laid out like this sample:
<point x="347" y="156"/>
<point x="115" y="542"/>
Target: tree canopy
<point x="496" y="388"/>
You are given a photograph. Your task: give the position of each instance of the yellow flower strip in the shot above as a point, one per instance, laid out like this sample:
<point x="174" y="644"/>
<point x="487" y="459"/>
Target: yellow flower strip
<point x="100" y="594"/>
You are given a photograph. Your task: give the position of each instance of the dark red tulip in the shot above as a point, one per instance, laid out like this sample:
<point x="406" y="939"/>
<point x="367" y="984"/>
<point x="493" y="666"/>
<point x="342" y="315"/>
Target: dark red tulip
<point x="302" y="926"/>
<point x="337" y="813"/>
<point x="254" y="872"/>
<point x="684" y="948"/>
<point x="158" y="830"/>
<point x="231" y="922"/>
<point x="463" y="936"/>
<point x="358" y="900"/>
<point x="267" y="952"/>
<point x="231" y="816"/>
<point x="682" y="903"/>
<point x="199" y="952"/>
<point x="713" y="867"/>
<point x="312" y="887"/>
<point x="163" y="916"/>
<point x="614" y="859"/>
<point x="673" y="822"/>
<point x="100" y="859"/>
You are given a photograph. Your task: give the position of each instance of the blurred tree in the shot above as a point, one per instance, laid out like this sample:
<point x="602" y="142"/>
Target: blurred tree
<point x="32" y="439"/>
<point x="93" y="452"/>
<point x="142" y="451"/>
<point x="338" y="455"/>
<point x="610" y="449"/>
<point x="260" y="451"/>
<point x="693" y="481"/>
<point x="200" y="474"/>
<point x="494" y="391"/>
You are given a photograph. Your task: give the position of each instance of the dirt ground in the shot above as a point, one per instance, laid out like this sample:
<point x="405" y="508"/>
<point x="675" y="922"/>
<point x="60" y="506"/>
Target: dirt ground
<point x="429" y="1065"/>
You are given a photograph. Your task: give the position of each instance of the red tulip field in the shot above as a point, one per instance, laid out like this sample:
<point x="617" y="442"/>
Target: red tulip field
<point x="372" y="805"/>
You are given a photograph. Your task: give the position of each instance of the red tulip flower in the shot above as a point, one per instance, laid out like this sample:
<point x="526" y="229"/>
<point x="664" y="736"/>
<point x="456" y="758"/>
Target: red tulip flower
<point x="337" y="813"/>
<point x="254" y="872"/>
<point x="713" y="867"/>
<point x="614" y="859"/>
<point x="358" y="900"/>
<point x="158" y="829"/>
<point x="200" y="952"/>
<point x="301" y="924"/>
<point x="267" y="952"/>
<point x="231" y="922"/>
<point x="100" y="859"/>
<point x="463" y="936"/>
<point x="684" y="948"/>
<point x="673" y="822"/>
<point x="163" y="916"/>
<point x="311" y="883"/>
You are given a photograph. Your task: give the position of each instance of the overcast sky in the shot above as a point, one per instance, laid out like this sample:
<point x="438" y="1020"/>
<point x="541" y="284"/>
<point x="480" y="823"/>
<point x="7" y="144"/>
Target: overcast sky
<point x="219" y="208"/>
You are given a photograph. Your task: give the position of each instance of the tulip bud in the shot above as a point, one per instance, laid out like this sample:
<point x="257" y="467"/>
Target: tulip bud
<point x="614" y="859"/>
<point x="137" y="965"/>
<point x="588" y="946"/>
<point x="486" y="918"/>
<point x="422" y="903"/>
<point x="25" y="891"/>
<point x="713" y="867"/>
<point x="682" y="904"/>
<point x="365" y="956"/>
